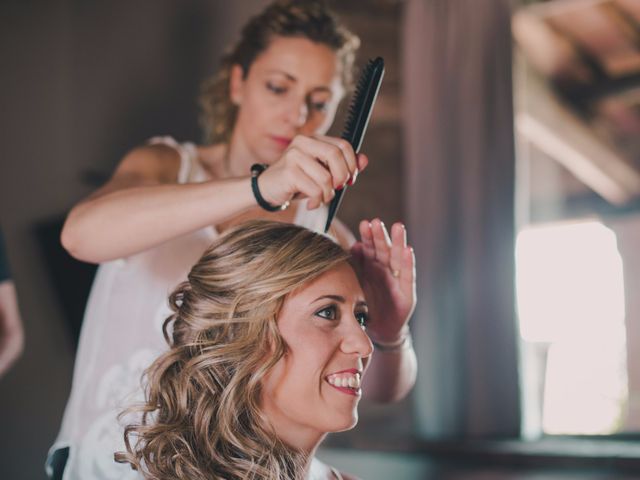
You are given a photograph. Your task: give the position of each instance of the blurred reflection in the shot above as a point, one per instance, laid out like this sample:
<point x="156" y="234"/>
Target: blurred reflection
<point x="577" y="90"/>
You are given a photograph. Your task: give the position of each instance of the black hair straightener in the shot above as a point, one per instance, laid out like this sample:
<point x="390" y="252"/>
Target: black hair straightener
<point x="358" y="118"/>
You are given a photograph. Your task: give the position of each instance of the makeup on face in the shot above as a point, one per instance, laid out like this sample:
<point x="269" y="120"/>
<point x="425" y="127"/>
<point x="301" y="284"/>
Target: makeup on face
<point x="292" y="88"/>
<point x="316" y="386"/>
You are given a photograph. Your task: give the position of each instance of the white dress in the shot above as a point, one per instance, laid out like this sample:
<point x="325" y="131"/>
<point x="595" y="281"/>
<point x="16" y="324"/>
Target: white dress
<point x="122" y="334"/>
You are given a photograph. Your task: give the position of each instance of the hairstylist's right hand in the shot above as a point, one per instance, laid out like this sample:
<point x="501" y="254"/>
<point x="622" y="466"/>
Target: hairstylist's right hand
<point x="312" y="168"/>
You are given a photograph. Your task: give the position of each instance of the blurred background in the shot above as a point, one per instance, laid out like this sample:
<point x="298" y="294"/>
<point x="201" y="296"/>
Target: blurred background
<point x="507" y="137"/>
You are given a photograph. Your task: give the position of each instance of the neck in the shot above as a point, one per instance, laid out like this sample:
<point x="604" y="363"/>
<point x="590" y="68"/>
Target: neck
<point x="302" y="439"/>
<point x="238" y="157"/>
<point x="310" y="456"/>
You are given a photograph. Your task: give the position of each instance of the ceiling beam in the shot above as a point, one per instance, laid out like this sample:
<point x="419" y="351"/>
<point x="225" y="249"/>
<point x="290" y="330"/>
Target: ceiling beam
<point x="549" y="124"/>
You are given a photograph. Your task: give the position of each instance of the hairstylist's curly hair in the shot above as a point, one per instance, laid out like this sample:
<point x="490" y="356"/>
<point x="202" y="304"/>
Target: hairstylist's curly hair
<point x="283" y="18"/>
<point x="201" y="418"/>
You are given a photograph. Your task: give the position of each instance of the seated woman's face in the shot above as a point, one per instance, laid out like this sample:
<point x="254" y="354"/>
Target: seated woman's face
<point x="315" y="387"/>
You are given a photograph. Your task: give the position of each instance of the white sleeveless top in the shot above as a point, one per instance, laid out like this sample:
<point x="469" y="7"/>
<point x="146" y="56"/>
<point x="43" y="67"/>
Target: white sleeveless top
<point x="122" y="334"/>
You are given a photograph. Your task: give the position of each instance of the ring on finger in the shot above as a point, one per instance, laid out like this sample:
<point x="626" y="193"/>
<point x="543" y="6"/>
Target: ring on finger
<point x="395" y="273"/>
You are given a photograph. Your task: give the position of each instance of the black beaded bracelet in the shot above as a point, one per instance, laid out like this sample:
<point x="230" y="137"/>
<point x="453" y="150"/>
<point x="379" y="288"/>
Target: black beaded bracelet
<point x="256" y="170"/>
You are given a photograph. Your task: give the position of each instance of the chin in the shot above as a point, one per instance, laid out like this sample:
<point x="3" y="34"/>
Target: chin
<point x="344" y="422"/>
<point x="271" y="152"/>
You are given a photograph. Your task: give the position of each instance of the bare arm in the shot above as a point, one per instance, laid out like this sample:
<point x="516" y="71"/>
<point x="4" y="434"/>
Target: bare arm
<point x="392" y="371"/>
<point x="142" y="206"/>
<point x="392" y="374"/>
<point x="11" y="333"/>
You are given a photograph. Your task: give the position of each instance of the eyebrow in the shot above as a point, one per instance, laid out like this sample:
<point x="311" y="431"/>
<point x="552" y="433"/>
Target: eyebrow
<point x="321" y="88"/>
<point x="340" y="299"/>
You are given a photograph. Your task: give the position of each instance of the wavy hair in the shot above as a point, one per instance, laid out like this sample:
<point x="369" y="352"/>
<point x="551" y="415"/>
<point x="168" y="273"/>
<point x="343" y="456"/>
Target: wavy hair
<point x="283" y="18"/>
<point x="201" y="418"/>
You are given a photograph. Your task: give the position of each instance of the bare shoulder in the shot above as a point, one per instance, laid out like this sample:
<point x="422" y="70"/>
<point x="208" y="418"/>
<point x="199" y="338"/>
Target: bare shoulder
<point x="155" y="163"/>
<point x="142" y="166"/>
<point x="342" y="234"/>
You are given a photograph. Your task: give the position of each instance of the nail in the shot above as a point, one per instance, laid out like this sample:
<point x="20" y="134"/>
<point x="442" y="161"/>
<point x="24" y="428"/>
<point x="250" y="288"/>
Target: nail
<point x="353" y="178"/>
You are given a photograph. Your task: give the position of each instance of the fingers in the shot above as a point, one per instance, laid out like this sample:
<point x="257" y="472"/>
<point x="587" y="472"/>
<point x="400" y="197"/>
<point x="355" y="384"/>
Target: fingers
<point x="402" y="260"/>
<point x="311" y="167"/>
<point x="408" y="271"/>
<point x="381" y="241"/>
<point x="281" y="183"/>
<point x="391" y="251"/>
<point x="375" y="241"/>
<point x="368" y="247"/>
<point x="320" y="176"/>
<point x="398" y="245"/>
<point x="310" y="189"/>
<point x="362" y="161"/>
<point x="348" y="156"/>
<point x="335" y="154"/>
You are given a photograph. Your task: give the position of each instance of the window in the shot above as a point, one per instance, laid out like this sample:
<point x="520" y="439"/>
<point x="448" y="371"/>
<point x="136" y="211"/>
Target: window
<point x="570" y="293"/>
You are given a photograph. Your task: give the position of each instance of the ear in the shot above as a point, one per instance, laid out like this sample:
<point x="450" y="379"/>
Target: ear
<point x="236" y="82"/>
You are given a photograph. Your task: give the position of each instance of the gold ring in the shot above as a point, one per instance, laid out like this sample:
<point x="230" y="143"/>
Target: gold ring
<point x="395" y="273"/>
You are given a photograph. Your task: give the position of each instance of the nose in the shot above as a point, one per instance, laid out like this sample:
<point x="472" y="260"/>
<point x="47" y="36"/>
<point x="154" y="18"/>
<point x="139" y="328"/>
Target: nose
<point x="297" y="113"/>
<point x="357" y="341"/>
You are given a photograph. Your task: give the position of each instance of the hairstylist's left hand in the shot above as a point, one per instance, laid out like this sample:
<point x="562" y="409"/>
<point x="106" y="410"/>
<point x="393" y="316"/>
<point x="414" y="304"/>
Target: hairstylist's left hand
<point x="387" y="267"/>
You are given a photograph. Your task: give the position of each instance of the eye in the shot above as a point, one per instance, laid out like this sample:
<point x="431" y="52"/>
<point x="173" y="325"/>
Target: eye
<point x="318" y="102"/>
<point x="276" y="89"/>
<point x="328" y="313"/>
<point x="318" y="106"/>
<point x="362" y="318"/>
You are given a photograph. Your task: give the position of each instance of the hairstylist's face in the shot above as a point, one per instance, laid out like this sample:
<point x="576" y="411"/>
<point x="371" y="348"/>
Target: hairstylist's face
<point x="315" y="387"/>
<point x="292" y="88"/>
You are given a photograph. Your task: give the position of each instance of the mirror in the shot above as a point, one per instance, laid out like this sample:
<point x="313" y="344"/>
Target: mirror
<point x="577" y="119"/>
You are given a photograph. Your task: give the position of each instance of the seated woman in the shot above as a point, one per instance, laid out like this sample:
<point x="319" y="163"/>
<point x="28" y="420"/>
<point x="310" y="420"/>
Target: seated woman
<point x="267" y="352"/>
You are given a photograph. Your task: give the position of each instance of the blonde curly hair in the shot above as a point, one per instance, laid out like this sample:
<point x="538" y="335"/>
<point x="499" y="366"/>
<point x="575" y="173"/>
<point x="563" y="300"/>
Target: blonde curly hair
<point x="201" y="418"/>
<point x="283" y="18"/>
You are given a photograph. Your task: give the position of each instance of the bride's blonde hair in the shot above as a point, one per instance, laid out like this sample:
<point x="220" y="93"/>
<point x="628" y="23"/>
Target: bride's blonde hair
<point x="202" y="417"/>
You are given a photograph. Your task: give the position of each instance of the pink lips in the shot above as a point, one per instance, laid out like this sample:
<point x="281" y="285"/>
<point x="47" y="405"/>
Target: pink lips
<point x="347" y="390"/>
<point x="348" y="370"/>
<point x="283" y="142"/>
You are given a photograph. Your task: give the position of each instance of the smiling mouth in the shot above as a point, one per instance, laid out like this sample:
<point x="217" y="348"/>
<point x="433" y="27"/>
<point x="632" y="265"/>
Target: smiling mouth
<point x="347" y="382"/>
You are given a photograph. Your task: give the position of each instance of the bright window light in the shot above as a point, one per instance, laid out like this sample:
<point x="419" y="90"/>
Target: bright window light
<point x="570" y="293"/>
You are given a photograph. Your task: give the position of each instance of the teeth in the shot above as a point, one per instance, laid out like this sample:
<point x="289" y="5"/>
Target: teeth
<point x="345" y="380"/>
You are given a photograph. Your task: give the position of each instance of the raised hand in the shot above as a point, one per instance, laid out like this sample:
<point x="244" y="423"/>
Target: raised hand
<point x="387" y="270"/>
<point x="313" y="168"/>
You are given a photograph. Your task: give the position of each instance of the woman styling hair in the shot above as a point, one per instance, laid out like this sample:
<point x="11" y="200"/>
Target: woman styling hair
<point x="266" y="355"/>
<point x="272" y="103"/>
